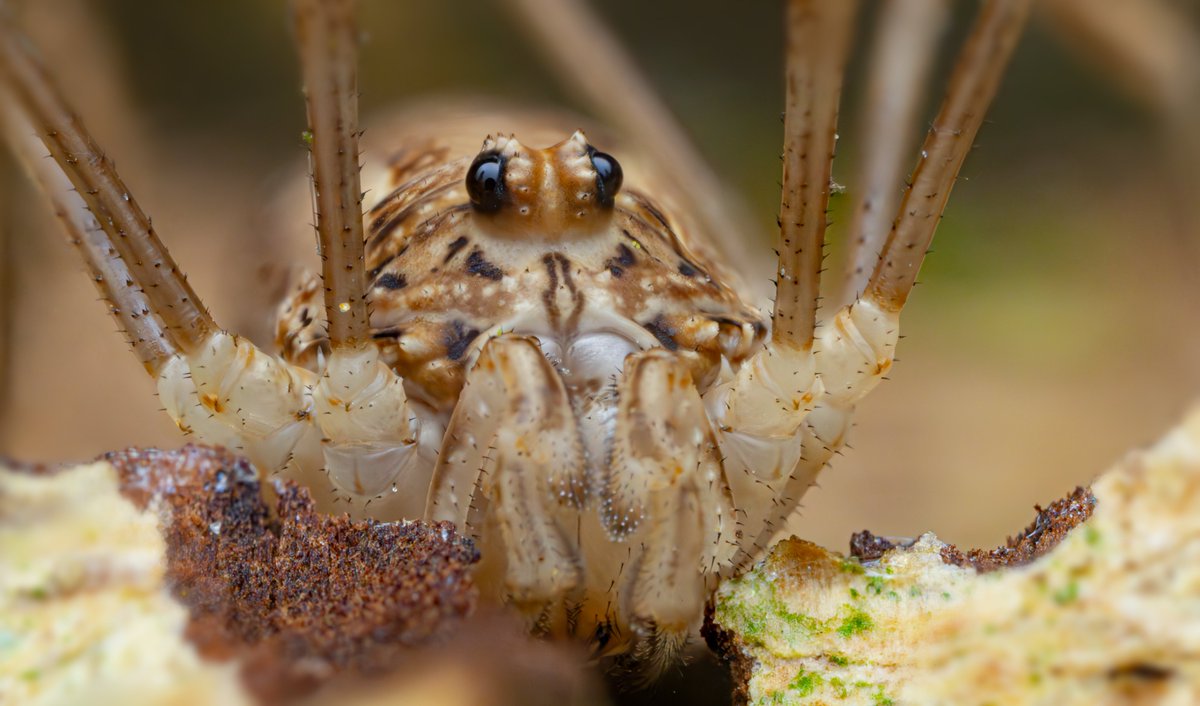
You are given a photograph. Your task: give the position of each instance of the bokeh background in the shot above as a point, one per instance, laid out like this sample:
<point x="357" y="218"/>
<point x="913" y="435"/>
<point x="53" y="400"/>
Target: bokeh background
<point x="1056" y="326"/>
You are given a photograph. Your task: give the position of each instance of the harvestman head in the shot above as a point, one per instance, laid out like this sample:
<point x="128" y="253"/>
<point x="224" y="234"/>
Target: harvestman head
<point x="523" y="342"/>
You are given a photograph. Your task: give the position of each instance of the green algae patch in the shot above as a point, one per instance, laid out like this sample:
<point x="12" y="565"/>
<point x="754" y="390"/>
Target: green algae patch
<point x="806" y="683"/>
<point x="768" y="620"/>
<point x="812" y="686"/>
<point x="753" y="606"/>
<point x="815" y="640"/>
<point x="855" y="623"/>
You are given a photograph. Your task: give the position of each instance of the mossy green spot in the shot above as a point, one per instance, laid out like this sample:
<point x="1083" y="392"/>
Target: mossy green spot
<point x="854" y="623"/>
<point x="805" y="683"/>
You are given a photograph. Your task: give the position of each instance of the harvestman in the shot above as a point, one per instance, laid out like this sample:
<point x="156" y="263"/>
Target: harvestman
<point x="529" y="344"/>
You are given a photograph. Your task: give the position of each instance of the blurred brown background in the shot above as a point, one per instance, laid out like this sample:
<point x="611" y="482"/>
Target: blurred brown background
<point x="1056" y="326"/>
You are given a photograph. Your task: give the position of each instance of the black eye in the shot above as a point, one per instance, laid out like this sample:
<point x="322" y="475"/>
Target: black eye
<point x="608" y="177"/>
<point x="485" y="182"/>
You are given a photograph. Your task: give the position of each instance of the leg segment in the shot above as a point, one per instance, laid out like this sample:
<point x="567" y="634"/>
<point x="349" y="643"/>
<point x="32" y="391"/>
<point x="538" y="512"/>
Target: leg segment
<point x="209" y="381"/>
<point x="146" y="335"/>
<point x="667" y="497"/>
<point x="33" y="101"/>
<point x="760" y="412"/>
<point x="512" y="472"/>
<point x="327" y="41"/>
<point x="370" y="435"/>
<point x="818" y="39"/>
<point x="905" y="44"/>
<point x="973" y="84"/>
<point x="773" y="392"/>
<point x="775" y="439"/>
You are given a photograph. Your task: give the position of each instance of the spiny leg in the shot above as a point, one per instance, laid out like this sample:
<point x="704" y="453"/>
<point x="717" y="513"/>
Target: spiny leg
<point x="590" y="61"/>
<point x="371" y="439"/>
<point x="34" y="101"/>
<point x="68" y="29"/>
<point x="973" y="84"/>
<point x="210" y="382"/>
<point x="512" y="471"/>
<point x="818" y="40"/>
<point x="761" y="411"/>
<point x="856" y="348"/>
<point x="129" y="305"/>
<point x="327" y="44"/>
<point x="775" y="390"/>
<point x="905" y="44"/>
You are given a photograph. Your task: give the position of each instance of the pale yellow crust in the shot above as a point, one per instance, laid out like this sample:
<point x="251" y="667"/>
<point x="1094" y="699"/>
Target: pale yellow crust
<point x="1110" y="615"/>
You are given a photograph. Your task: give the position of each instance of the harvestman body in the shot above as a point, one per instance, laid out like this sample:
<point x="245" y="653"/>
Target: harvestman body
<point x="550" y="358"/>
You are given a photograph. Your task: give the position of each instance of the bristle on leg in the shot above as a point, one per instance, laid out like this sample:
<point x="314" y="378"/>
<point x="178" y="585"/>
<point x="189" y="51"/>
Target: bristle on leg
<point x="327" y="42"/>
<point x="818" y="39"/>
<point x="122" y="232"/>
<point x="976" y="77"/>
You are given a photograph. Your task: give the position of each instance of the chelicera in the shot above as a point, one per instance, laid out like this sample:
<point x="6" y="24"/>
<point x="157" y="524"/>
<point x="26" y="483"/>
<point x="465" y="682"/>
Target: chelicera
<point x="530" y="342"/>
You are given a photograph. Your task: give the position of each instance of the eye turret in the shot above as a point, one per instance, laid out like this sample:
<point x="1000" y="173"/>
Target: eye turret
<point x="485" y="182"/>
<point x="559" y="193"/>
<point x="608" y="176"/>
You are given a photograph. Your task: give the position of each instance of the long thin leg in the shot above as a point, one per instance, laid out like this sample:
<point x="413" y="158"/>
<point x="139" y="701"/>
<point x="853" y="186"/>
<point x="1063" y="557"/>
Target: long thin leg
<point x="775" y="442"/>
<point x="857" y="348"/>
<point x="905" y="44"/>
<point x="128" y="231"/>
<point x="974" y="82"/>
<point x="210" y="382"/>
<point x="818" y="38"/>
<point x="326" y="39"/>
<point x="591" y="63"/>
<point x="127" y="303"/>
<point x="773" y="392"/>
<point x="370" y="435"/>
<point x="1149" y="47"/>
